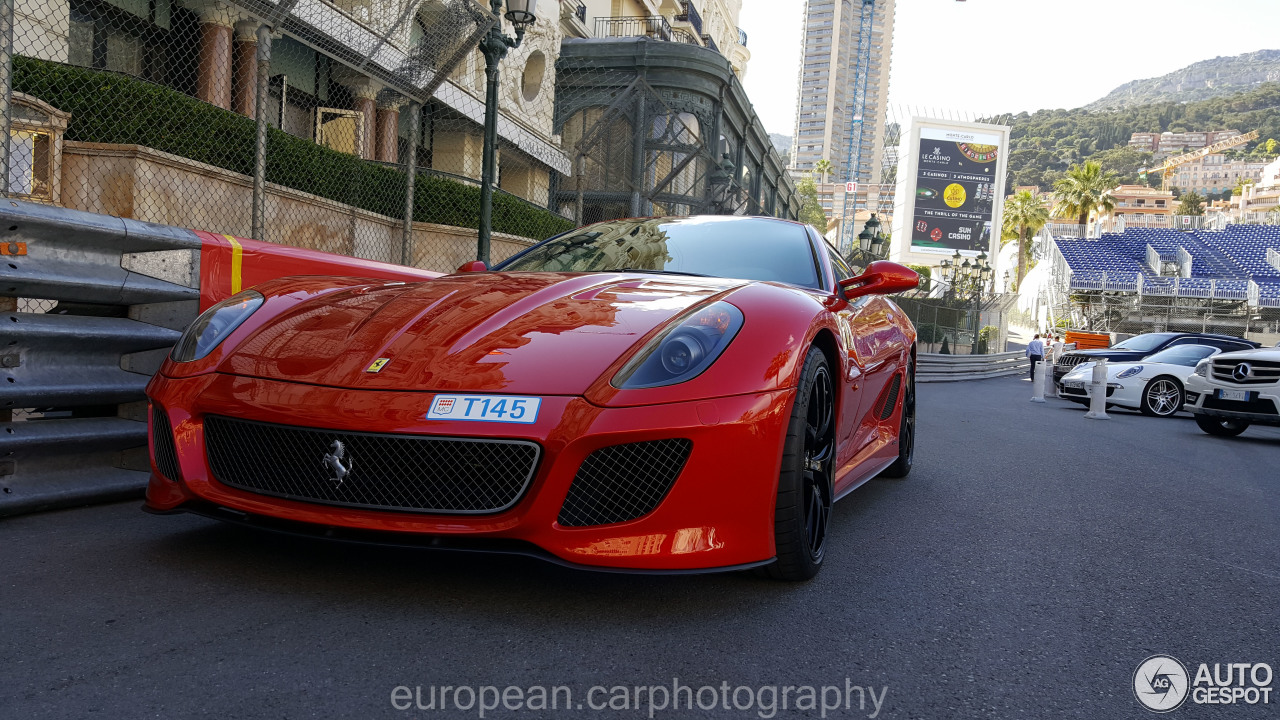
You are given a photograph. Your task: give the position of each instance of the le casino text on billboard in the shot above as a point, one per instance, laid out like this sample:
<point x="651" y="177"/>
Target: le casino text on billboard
<point x="955" y="191"/>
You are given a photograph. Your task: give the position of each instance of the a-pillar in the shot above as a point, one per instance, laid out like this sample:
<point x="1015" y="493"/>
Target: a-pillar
<point x="245" y="81"/>
<point x="387" y="144"/>
<point x="213" y="72"/>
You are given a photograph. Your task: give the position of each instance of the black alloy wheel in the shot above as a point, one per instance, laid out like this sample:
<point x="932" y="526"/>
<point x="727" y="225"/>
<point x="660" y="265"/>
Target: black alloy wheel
<point x="803" y="509"/>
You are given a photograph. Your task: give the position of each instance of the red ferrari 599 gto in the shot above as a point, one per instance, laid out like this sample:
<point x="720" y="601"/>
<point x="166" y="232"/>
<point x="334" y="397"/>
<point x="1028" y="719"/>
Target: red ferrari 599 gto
<point x="659" y="395"/>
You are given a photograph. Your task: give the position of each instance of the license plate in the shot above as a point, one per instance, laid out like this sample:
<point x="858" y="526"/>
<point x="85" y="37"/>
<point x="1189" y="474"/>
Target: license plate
<point x="485" y="408"/>
<point x="1074" y="385"/>
<point x="1233" y="395"/>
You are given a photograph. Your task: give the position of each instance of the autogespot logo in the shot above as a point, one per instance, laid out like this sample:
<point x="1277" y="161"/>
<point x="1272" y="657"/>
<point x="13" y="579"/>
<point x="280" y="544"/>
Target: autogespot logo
<point x="1160" y="683"/>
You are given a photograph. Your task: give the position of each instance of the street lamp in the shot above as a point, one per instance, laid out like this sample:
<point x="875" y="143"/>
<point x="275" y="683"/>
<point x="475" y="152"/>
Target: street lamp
<point x="966" y="281"/>
<point x="494" y="46"/>
<point x="870" y="243"/>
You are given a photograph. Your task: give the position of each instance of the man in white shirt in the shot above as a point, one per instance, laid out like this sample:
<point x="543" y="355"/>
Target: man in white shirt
<point x="1035" y="351"/>
<point x="1056" y="349"/>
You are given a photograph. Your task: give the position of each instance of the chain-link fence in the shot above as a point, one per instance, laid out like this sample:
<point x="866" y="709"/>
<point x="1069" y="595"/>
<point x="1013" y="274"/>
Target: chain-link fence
<point x="961" y="326"/>
<point x="358" y="126"/>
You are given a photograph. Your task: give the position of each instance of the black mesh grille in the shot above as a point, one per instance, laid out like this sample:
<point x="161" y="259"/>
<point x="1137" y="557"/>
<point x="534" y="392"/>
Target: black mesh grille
<point x="385" y="472"/>
<point x="623" y="482"/>
<point x="891" y="400"/>
<point x="165" y="453"/>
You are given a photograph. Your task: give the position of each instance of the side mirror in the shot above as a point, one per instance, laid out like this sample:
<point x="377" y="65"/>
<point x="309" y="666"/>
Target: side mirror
<point x="881" y="278"/>
<point x="472" y="266"/>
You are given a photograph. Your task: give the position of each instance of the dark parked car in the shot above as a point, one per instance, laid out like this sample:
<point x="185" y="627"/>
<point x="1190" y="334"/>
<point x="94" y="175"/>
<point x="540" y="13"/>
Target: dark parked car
<point x="1140" y="346"/>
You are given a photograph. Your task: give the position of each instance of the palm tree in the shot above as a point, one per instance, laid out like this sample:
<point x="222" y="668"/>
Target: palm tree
<point x="1024" y="215"/>
<point x="1085" y="188"/>
<point x="823" y="167"/>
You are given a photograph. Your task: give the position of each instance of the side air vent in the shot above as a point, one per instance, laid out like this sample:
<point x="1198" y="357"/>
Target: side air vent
<point x="623" y="482"/>
<point x="890" y="401"/>
<point x="165" y="453"/>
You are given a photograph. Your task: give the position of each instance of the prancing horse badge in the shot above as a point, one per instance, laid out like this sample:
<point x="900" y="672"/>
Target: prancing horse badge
<point x="378" y="365"/>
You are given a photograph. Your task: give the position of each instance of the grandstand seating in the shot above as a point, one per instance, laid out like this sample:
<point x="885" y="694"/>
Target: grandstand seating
<point x="1222" y="262"/>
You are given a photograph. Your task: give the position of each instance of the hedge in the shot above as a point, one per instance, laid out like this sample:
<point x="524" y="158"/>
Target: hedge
<point x="108" y="107"/>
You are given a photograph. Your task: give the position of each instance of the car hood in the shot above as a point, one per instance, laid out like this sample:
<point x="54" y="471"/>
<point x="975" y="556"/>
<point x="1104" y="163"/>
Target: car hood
<point x="535" y="333"/>
<point x="1085" y="369"/>
<point x="1110" y="354"/>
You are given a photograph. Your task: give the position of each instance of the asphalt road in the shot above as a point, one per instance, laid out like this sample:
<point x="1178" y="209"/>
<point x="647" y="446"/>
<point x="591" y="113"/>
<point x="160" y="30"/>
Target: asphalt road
<point x="1028" y="565"/>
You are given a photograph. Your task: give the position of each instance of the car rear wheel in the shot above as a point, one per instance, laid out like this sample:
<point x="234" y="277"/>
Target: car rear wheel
<point x="906" y="431"/>
<point x="1222" y="427"/>
<point x="1162" y="397"/>
<point x="804" y="485"/>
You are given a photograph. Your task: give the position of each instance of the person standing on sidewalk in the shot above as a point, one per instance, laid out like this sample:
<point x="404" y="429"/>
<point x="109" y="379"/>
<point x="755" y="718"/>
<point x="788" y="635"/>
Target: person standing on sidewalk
<point x="1035" y="352"/>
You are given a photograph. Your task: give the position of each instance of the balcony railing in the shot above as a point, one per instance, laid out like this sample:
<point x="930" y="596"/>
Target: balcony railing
<point x="706" y="40"/>
<point x="691" y="16"/>
<point x="580" y="10"/>
<point x="742" y="37"/>
<point x="653" y="26"/>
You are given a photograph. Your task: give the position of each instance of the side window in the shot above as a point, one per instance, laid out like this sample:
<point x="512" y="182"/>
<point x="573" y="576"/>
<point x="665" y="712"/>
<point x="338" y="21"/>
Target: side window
<point x="839" y="267"/>
<point x="1185" y="341"/>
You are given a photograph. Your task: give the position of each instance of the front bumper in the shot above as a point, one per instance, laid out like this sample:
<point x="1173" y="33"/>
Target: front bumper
<point x="1262" y="407"/>
<point x="717" y="514"/>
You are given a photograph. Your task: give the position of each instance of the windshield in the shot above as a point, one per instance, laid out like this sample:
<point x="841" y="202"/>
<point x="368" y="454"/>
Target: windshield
<point x="1187" y="355"/>
<point x="732" y="247"/>
<point x="1142" y="343"/>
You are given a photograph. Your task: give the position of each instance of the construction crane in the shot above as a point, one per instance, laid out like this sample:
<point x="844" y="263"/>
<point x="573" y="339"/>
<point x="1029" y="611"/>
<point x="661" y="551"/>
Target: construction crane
<point x="861" y="72"/>
<point x="857" y="109"/>
<point x="1171" y="164"/>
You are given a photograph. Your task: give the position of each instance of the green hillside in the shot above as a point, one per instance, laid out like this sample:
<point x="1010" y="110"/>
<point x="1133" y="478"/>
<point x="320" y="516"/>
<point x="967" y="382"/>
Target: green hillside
<point x="1045" y="143"/>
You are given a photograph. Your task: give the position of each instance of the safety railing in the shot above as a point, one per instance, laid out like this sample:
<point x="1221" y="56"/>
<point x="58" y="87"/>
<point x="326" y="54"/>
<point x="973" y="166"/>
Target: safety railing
<point x="952" y="368"/>
<point x="689" y="14"/>
<point x="650" y="26"/>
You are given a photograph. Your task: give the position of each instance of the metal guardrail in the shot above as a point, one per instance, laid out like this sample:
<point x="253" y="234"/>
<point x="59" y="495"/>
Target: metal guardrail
<point x="72" y="411"/>
<point x="932" y="367"/>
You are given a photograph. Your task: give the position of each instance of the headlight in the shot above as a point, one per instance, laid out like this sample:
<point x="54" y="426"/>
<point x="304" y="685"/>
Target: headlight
<point x="684" y="350"/>
<point x="214" y="325"/>
<point x="1202" y="368"/>
<point x="1130" y="372"/>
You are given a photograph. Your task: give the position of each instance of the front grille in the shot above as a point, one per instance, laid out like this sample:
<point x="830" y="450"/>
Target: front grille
<point x="1069" y="360"/>
<point x="623" y="482"/>
<point x="891" y="400"/>
<point x="1262" y="372"/>
<point x="384" y="472"/>
<point x="164" y="452"/>
<point x="1261" y="406"/>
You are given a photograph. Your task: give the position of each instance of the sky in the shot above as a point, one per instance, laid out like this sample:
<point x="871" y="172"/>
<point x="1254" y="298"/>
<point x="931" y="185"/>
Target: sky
<point x="996" y="56"/>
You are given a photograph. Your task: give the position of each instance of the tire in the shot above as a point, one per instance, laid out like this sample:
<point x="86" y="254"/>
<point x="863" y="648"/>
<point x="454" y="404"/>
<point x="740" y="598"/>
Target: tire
<point x="1162" y="397"/>
<point x="906" y="431"/>
<point x="803" y="505"/>
<point x="1222" y="427"/>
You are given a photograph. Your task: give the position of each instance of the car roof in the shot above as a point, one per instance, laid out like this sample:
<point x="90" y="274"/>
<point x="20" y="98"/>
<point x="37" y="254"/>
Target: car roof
<point x="1215" y="336"/>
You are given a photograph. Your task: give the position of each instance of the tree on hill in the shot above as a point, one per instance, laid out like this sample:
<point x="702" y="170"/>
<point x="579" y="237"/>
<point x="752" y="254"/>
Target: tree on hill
<point x="810" y="208"/>
<point x="1191" y="203"/>
<point x="1024" y="215"/>
<point x="1084" y="190"/>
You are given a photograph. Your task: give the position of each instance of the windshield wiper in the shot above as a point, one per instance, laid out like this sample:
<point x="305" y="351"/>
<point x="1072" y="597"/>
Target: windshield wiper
<point x="660" y="272"/>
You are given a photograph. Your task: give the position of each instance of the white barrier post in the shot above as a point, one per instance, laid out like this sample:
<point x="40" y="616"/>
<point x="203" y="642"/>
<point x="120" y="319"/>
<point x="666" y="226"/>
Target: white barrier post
<point x="1098" y="392"/>
<point x="1050" y="389"/>
<point x="1037" y="383"/>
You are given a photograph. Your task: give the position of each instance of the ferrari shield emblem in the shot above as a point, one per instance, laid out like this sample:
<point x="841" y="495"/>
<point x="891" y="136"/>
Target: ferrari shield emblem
<point x="378" y="365"/>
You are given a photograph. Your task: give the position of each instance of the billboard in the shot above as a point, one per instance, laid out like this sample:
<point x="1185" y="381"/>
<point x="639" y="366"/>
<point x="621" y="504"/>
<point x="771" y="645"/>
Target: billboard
<point x="958" y="181"/>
